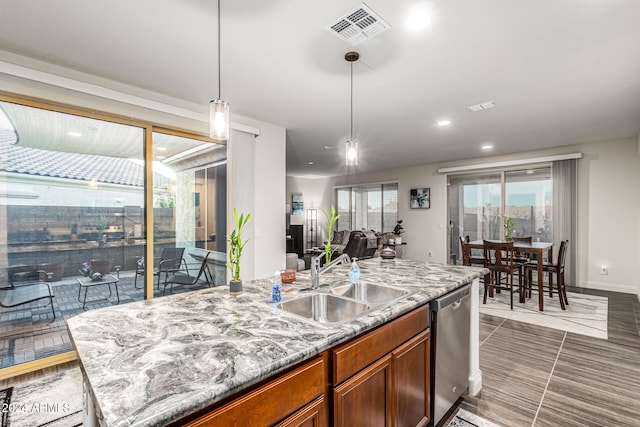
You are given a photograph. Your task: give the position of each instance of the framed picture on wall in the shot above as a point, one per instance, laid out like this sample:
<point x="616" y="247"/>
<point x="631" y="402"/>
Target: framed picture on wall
<point x="419" y="198"/>
<point x="297" y="204"/>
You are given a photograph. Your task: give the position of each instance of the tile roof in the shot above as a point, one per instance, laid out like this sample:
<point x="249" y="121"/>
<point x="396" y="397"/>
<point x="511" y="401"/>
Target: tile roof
<point x="84" y="167"/>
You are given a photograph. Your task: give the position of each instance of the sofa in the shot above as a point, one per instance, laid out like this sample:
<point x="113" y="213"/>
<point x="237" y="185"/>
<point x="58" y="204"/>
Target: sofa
<point x="359" y="244"/>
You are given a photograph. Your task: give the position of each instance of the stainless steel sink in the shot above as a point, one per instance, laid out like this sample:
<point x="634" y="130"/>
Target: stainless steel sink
<point x="370" y="293"/>
<point x="325" y="308"/>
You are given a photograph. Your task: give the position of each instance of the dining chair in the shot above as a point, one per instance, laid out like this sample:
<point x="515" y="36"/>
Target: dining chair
<point x="520" y="259"/>
<point x="551" y="269"/>
<point x="498" y="258"/>
<point x="187" y="280"/>
<point x="467" y="258"/>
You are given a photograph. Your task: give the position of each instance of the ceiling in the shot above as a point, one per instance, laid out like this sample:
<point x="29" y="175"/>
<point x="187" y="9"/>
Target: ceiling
<point x="560" y="72"/>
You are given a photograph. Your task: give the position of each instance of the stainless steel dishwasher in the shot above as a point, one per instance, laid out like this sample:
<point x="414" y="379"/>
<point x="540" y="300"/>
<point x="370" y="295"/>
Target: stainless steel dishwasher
<point x="450" y="317"/>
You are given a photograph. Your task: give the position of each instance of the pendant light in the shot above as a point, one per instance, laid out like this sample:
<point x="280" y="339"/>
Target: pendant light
<point x="351" y="157"/>
<point x="219" y="109"/>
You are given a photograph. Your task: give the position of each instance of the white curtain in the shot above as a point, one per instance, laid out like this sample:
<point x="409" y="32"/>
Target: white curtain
<point x="564" y="176"/>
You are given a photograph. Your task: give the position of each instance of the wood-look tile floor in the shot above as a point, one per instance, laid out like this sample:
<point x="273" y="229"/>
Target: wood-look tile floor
<point x="536" y="376"/>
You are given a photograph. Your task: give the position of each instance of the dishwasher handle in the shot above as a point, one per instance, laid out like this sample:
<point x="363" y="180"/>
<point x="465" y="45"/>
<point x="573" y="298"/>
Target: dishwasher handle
<point x="451" y="298"/>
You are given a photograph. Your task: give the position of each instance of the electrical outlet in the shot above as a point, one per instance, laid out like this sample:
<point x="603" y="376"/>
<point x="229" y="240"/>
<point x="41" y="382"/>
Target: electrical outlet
<point x="430" y="253"/>
<point x="604" y="270"/>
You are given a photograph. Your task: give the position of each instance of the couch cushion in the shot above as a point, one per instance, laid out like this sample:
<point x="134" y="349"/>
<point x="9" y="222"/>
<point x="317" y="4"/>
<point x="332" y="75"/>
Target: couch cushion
<point x="337" y="237"/>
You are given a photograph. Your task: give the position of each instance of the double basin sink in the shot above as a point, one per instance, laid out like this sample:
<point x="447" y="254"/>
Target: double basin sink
<point x="342" y="303"/>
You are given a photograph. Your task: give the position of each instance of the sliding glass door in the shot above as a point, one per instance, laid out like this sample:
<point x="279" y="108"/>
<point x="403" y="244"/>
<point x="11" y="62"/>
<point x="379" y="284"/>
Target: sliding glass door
<point x="479" y="203"/>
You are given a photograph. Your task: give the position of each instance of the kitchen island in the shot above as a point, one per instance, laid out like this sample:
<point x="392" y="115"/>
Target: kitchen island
<point x="154" y="362"/>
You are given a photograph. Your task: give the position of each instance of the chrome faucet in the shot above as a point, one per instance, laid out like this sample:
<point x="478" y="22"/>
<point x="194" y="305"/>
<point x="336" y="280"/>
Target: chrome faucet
<point x="316" y="269"/>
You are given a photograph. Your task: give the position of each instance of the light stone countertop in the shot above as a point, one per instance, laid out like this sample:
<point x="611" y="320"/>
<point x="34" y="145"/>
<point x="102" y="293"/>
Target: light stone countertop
<point x="152" y="362"/>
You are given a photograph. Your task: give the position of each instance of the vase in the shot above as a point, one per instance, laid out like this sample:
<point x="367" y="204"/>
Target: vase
<point x="235" y="287"/>
<point x="398" y="240"/>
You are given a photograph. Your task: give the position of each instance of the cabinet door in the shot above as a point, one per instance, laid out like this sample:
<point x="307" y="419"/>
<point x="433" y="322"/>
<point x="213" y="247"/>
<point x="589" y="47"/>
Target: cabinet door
<point x="366" y="398"/>
<point x="312" y="415"/>
<point x="411" y="382"/>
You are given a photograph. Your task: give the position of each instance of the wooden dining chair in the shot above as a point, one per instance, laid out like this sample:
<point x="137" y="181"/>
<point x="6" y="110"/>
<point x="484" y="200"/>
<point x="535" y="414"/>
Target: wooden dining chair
<point x="520" y="259"/>
<point x="498" y="258"/>
<point x="551" y="269"/>
<point x="467" y="258"/>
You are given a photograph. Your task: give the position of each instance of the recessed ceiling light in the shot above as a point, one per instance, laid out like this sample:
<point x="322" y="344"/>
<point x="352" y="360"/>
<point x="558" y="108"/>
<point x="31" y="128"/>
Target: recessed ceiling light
<point x="329" y="147"/>
<point x="444" y="123"/>
<point x="74" y="134"/>
<point x="418" y="20"/>
<point x="486" y="147"/>
<point x="161" y="148"/>
<point x="161" y="157"/>
<point x="309" y="163"/>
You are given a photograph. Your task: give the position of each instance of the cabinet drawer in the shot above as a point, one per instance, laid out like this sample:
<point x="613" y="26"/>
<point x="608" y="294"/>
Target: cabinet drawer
<point x="355" y="355"/>
<point x="269" y="403"/>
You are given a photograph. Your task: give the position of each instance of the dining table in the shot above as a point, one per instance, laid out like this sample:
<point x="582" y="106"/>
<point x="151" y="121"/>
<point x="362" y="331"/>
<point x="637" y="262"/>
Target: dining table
<point x="537" y="248"/>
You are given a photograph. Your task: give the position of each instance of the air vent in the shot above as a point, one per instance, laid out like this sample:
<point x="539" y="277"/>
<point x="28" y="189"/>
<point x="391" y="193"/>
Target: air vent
<point x="482" y="106"/>
<point x="358" y="25"/>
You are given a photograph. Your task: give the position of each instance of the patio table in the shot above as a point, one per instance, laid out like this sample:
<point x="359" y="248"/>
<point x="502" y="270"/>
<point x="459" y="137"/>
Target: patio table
<point x="87" y="282"/>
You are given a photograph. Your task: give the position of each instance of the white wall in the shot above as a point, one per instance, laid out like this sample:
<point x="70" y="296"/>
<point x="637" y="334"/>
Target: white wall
<point x="609" y="216"/>
<point x="269" y="244"/>
<point x="608" y="209"/>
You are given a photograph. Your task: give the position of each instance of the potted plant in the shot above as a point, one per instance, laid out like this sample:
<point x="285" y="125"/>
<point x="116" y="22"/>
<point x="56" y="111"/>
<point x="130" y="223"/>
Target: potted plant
<point x="398" y="230"/>
<point x="236" y="245"/>
<point x="508" y="227"/>
<point x="331" y="220"/>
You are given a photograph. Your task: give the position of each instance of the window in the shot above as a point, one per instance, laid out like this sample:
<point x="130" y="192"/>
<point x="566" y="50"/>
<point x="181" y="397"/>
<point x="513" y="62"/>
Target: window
<point x="478" y="204"/>
<point x="73" y="197"/>
<point x="368" y="207"/>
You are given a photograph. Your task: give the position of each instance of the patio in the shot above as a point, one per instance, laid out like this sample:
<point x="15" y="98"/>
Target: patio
<point x="27" y="335"/>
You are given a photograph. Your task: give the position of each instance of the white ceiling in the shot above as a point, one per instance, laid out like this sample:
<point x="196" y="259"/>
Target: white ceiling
<point x="561" y="72"/>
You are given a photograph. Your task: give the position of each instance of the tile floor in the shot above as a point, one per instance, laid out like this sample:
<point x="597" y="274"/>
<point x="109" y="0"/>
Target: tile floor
<point x="536" y="376"/>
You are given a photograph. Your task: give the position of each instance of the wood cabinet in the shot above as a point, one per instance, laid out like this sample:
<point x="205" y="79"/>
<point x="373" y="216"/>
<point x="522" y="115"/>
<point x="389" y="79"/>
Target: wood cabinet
<point x="391" y="390"/>
<point x="380" y="378"/>
<point x="366" y="399"/>
<point x="312" y="415"/>
<point x="287" y="397"/>
<point x="411" y="382"/>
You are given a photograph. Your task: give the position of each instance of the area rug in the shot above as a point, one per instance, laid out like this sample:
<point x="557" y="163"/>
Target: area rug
<point x="53" y="401"/>
<point x="585" y="314"/>
<point x="466" y="419"/>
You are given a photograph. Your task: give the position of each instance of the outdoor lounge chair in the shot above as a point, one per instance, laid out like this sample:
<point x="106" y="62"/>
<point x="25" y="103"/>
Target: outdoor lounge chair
<point x="170" y="262"/>
<point x="26" y="293"/>
<point x="187" y="280"/>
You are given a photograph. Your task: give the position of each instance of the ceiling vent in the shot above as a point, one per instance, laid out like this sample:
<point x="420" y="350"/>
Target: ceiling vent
<point x="482" y="106"/>
<point x="358" y="25"/>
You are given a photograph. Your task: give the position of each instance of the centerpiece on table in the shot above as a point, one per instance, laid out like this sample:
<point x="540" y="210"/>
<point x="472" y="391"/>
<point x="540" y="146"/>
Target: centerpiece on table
<point x="508" y="228"/>
<point x="236" y="245"/>
<point x="86" y="271"/>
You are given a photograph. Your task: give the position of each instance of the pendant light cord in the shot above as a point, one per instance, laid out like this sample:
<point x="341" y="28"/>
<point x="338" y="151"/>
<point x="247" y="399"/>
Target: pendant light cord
<point x="219" y="77"/>
<point x="351" y="100"/>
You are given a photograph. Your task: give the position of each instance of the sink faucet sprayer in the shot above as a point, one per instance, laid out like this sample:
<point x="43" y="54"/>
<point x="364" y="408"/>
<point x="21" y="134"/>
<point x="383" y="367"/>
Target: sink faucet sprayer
<point x="316" y="269"/>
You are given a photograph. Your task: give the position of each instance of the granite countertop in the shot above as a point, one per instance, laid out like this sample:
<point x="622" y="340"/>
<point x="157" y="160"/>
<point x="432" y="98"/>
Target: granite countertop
<point x="151" y="362"/>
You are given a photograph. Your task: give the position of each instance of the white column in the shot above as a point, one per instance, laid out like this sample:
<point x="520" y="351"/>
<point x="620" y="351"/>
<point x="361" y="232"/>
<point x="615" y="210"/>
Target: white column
<point x="475" y="375"/>
<point x="240" y="193"/>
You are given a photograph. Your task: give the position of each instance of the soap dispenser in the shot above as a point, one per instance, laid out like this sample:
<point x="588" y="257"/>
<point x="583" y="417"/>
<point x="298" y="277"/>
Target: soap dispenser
<point x="276" y="289"/>
<point x="354" y="271"/>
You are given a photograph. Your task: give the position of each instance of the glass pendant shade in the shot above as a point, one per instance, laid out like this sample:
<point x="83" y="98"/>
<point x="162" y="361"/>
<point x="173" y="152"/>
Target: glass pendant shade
<point x="219" y="120"/>
<point x="352" y="152"/>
